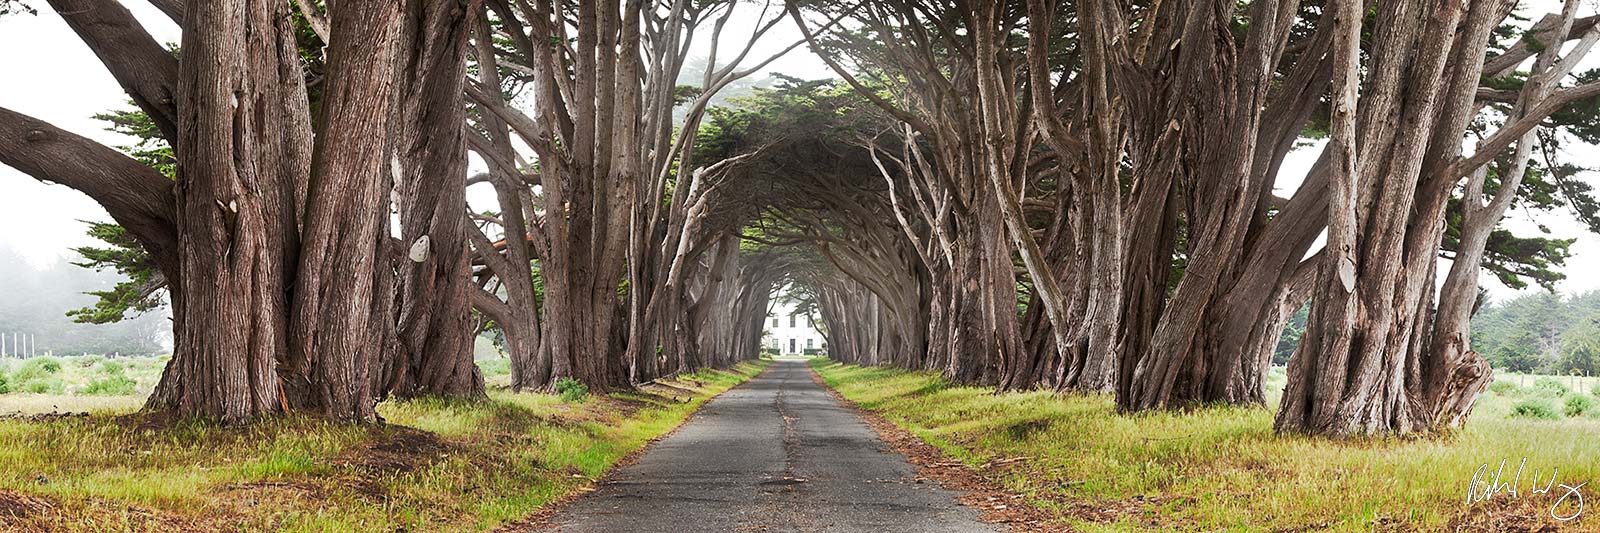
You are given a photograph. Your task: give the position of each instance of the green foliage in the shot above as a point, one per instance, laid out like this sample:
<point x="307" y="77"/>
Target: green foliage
<point x="1290" y="339"/>
<point x="145" y="287"/>
<point x="1536" y="408"/>
<point x="112" y="380"/>
<point x="1505" y="388"/>
<point x="37" y="368"/>
<point x="1580" y="118"/>
<point x="1533" y="333"/>
<point x="38" y="375"/>
<point x="495" y="367"/>
<point x="571" y="390"/>
<point x="1550" y="386"/>
<point x="149" y="146"/>
<point x="43" y="385"/>
<point x="83" y="376"/>
<point x="114" y="385"/>
<point x="5" y="384"/>
<point x="1514" y="259"/>
<point x="111" y="367"/>
<point x="1549" y="185"/>
<point x="1578" y="404"/>
<point x="1580" y="347"/>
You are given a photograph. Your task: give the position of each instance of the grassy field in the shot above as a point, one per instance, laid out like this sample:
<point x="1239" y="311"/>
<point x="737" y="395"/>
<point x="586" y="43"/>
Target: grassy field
<point x="434" y="466"/>
<point x="1223" y="468"/>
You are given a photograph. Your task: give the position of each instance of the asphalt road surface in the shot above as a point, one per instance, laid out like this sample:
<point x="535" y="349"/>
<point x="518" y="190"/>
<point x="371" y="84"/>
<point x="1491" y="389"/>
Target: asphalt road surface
<point x="777" y="453"/>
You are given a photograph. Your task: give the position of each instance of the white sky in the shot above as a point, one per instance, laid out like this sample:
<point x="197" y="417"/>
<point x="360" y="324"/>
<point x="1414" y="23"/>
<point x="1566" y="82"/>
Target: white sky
<point x="59" y="80"/>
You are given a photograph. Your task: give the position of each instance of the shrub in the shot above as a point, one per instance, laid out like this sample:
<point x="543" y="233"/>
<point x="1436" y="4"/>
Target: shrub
<point x="494" y="367"/>
<point x="1578" y="404"/>
<point x="5" y="386"/>
<point x="1551" y="385"/>
<point x="43" y="385"/>
<point x="1537" y="408"/>
<point x="37" y="368"/>
<point x="117" y="385"/>
<point x="571" y="390"/>
<point x="1505" y="388"/>
<point x="112" y="368"/>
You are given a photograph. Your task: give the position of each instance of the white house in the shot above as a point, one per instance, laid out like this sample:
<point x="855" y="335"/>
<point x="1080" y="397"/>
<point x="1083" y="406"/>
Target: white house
<point x="789" y="332"/>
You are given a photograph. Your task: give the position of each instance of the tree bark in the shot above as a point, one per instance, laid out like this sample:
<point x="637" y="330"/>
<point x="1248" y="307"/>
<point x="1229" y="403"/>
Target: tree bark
<point x="435" y="314"/>
<point x="346" y="222"/>
<point x="243" y="158"/>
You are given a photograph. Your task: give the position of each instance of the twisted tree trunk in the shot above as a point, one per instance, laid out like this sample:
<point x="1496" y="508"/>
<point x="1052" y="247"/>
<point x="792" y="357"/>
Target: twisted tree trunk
<point x="435" y="330"/>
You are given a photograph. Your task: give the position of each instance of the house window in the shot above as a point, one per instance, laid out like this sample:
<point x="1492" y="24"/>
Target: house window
<point x="808" y="322"/>
<point x="774" y="321"/>
<point x="811" y="343"/>
<point x="791" y="345"/>
<point x="791" y="321"/>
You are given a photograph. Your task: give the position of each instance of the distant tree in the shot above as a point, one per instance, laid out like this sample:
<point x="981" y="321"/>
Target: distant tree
<point x="1524" y="334"/>
<point x="1292" y="331"/>
<point x="1580" y="347"/>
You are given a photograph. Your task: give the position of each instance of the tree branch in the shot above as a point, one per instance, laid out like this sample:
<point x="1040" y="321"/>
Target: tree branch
<point x="136" y="196"/>
<point x="143" y="68"/>
<point x="1490" y="147"/>
<point x="172" y="8"/>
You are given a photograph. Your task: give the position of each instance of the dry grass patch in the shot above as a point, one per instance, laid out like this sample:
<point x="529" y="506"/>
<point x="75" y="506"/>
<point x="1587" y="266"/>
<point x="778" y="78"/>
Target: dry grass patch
<point x="1223" y="468"/>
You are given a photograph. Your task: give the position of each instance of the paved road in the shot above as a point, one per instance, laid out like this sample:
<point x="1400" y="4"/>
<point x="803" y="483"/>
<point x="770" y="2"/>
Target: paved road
<point x="778" y="453"/>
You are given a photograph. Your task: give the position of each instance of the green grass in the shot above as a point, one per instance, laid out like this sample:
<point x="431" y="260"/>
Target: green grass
<point x="1223" y="468"/>
<point x="436" y="465"/>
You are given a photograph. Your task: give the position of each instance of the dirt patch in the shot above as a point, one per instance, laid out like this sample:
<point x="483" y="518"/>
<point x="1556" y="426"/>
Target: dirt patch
<point x="257" y="494"/>
<point x="1504" y="514"/>
<point x="1026" y="430"/>
<point x="23" y="512"/>
<point x="43" y="417"/>
<point x="640" y="400"/>
<point x="16" y="507"/>
<point x="403" y="450"/>
<point x="995" y="504"/>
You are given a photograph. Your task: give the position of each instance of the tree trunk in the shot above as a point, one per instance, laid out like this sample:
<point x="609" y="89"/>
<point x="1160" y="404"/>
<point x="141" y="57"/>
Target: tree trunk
<point x="346" y="221"/>
<point x="1358" y="370"/>
<point x="435" y="315"/>
<point x="245" y="154"/>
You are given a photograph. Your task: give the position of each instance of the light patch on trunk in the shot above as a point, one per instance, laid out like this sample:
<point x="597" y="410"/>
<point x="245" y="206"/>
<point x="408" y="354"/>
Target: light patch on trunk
<point x="395" y="168"/>
<point x="419" y="250"/>
<point x="1347" y="273"/>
